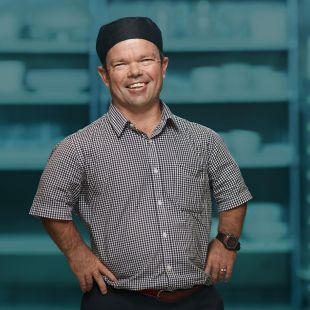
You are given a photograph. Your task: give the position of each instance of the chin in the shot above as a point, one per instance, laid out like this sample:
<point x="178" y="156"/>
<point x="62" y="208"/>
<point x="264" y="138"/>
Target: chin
<point x="139" y="102"/>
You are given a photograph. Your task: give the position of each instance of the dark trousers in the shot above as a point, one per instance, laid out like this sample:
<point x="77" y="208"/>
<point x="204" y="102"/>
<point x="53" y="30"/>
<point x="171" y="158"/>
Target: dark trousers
<point x="207" y="298"/>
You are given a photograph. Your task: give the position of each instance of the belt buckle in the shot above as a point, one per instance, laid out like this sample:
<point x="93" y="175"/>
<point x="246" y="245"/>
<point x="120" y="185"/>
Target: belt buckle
<point x="159" y="292"/>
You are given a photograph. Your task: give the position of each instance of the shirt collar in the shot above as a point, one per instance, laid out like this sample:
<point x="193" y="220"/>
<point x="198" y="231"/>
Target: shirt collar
<point x="119" y="122"/>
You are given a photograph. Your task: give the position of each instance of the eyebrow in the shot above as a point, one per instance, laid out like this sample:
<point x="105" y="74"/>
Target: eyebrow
<point x="147" y="55"/>
<point x="118" y="60"/>
<point x="140" y="57"/>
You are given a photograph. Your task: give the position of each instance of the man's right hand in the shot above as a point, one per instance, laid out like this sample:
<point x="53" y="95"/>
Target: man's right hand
<point x="87" y="268"/>
<point x="84" y="264"/>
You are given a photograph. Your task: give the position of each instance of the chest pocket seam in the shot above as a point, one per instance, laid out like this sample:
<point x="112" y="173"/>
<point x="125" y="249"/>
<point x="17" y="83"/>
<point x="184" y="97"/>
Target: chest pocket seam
<point x="188" y="185"/>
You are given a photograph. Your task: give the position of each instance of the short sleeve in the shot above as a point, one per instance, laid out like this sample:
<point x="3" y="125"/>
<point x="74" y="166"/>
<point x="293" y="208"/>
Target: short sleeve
<point x="60" y="184"/>
<point x="227" y="183"/>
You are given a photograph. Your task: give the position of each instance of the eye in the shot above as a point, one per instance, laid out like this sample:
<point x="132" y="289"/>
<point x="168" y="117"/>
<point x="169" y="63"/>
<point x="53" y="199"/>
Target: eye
<point x="147" y="61"/>
<point x="118" y="65"/>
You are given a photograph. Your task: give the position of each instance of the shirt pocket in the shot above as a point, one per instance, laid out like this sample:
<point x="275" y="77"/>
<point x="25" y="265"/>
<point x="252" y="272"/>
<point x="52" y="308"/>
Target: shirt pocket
<point x="188" y="186"/>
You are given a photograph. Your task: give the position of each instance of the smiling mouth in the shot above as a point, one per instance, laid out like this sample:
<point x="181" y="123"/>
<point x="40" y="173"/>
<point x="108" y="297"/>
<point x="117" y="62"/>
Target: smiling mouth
<point x="136" y="85"/>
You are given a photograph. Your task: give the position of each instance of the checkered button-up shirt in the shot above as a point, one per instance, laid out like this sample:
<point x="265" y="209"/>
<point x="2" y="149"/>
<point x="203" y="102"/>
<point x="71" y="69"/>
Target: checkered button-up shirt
<point x="146" y="202"/>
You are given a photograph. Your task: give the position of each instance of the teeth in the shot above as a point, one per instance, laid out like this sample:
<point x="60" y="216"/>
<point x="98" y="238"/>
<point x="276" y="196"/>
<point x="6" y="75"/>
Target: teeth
<point x="136" y="85"/>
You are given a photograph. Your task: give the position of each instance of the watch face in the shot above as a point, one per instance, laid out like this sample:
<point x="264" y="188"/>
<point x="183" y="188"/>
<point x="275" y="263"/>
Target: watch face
<point x="231" y="242"/>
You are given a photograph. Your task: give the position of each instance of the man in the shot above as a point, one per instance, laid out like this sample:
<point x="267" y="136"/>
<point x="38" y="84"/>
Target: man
<point x="141" y="179"/>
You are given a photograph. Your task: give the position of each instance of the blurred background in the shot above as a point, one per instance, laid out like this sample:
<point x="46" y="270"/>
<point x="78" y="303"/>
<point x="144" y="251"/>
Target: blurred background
<point x="239" y="67"/>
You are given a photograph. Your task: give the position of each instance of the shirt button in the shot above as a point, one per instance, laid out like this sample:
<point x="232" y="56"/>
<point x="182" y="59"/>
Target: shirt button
<point x="150" y="141"/>
<point x="164" y="234"/>
<point x="169" y="268"/>
<point x="155" y="170"/>
<point x="159" y="202"/>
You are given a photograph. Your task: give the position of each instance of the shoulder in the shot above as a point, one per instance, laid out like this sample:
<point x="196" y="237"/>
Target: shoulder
<point x="197" y="132"/>
<point x="75" y="143"/>
<point x="97" y="128"/>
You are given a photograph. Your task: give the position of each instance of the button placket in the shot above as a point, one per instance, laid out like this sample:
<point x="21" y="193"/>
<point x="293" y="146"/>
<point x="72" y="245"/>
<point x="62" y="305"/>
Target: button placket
<point x="169" y="268"/>
<point x="160" y="203"/>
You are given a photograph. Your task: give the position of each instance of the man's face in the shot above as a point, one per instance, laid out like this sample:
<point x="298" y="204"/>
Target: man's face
<point x="134" y="73"/>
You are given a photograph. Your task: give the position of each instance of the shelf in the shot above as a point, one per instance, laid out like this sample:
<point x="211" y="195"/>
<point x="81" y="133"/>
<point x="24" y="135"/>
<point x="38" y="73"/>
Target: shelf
<point x="30" y="46"/>
<point x="35" y="158"/>
<point x="33" y="98"/>
<point x="305" y="274"/>
<point x="45" y="307"/>
<point x="61" y="307"/>
<point x="34" y="244"/>
<point x="278" y="306"/>
<point x="221" y="45"/>
<point x="27" y="245"/>
<point x="262" y="163"/>
<point x="31" y="158"/>
<point x="42" y="245"/>
<point x="192" y="97"/>
<point x="44" y="98"/>
<point x="281" y="246"/>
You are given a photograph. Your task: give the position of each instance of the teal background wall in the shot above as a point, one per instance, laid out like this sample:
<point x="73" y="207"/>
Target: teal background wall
<point x="239" y="67"/>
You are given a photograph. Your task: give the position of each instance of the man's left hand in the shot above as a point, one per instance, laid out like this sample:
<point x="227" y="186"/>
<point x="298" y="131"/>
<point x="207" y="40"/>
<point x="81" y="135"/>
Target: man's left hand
<point x="220" y="262"/>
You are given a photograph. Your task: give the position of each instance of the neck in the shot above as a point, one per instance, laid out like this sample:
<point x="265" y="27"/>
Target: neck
<point x="145" y="119"/>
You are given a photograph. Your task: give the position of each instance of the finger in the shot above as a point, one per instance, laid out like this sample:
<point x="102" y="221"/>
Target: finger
<point x="105" y="271"/>
<point x="222" y="274"/>
<point x="228" y="274"/>
<point x="89" y="282"/>
<point x="208" y="268"/>
<point x="215" y="277"/>
<point x="212" y="270"/>
<point x="208" y="271"/>
<point x="83" y="285"/>
<point x="101" y="284"/>
<point x="215" y="274"/>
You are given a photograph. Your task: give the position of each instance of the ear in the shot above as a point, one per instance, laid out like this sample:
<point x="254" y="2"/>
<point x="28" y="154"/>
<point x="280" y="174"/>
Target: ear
<point x="104" y="76"/>
<point x="164" y="66"/>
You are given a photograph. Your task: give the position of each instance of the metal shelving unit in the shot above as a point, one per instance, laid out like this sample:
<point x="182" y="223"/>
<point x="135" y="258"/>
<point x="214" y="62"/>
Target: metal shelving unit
<point x="180" y="97"/>
<point x="29" y="259"/>
<point x="225" y="45"/>
<point x="304" y="67"/>
<point x="44" y="98"/>
<point x="32" y="46"/>
<point x="294" y="181"/>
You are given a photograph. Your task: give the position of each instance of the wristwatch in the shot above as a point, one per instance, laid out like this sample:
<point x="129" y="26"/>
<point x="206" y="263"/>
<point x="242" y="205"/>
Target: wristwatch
<point x="230" y="241"/>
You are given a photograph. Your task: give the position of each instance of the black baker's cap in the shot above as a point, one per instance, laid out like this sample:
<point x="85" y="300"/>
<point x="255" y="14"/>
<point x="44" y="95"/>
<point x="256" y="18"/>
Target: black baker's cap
<point x="127" y="28"/>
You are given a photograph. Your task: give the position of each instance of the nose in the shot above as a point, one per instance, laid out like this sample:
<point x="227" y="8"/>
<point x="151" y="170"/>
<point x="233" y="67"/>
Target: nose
<point x="134" y="70"/>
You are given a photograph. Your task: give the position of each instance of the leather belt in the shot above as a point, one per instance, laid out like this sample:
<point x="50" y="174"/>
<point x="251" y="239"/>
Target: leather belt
<point x="171" y="296"/>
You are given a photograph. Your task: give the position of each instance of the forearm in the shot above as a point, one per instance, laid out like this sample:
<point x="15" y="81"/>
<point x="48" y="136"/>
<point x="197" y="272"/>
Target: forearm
<point x="231" y="221"/>
<point x="65" y="235"/>
<point x="84" y="264"/>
